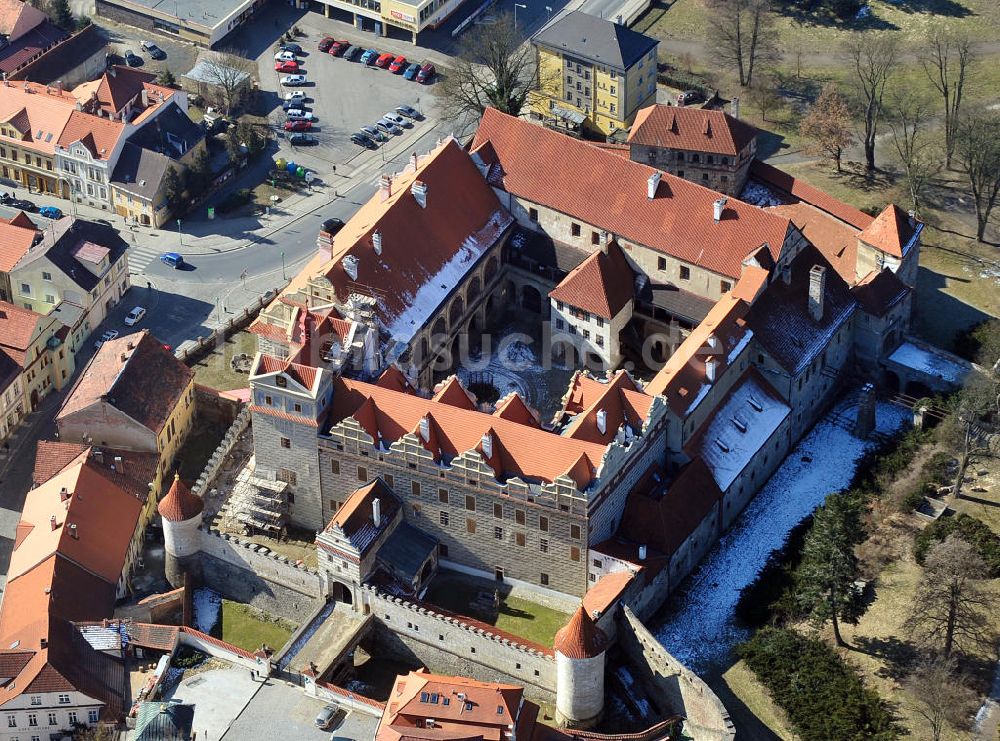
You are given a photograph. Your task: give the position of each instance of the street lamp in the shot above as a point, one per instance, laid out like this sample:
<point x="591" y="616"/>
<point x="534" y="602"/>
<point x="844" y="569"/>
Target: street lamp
<point x="283" y="266"/>
<point x="516" y="6"/>
<point x="548" y="9"/>
<point x="69" y="185"/>
<point x="180" y="237"/>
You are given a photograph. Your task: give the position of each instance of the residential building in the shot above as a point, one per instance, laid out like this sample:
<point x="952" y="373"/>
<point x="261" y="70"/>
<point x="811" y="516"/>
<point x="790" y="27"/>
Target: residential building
<point x="17" y="235"/>
<point x="708" y="147"/>
<point x="593" y="72"/>
<point x="203" y="24"/>
<point x="11" y="396"/>
<point x="28" y="33"/>
<point x="133" y="395"/>
<point x="35" y="345"/>
<point x="32" y="117"/>
<point x="379" y="16"/>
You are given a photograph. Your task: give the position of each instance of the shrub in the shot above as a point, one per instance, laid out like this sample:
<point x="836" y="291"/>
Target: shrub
<point x="770" y="597"/>
<point x="973" y="531"/>
<point x="823" y="695"/>
<point x="234" y="200"/>
<point x="935" y="472"/>
<point x="187" y="657"/>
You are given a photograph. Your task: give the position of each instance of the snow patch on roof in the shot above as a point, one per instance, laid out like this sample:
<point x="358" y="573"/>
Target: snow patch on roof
<point x="928" y="363"/>
<point x="739" y="347"/>
<point x="702" y="393"/>
<point x="760" y="195"/>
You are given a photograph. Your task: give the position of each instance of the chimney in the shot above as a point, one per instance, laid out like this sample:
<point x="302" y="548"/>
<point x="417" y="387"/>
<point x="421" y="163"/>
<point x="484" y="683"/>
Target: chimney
<point x="734" y="107"/>
<point x="118" y="464"/>
<point x="488" y="445"/>
<point x="718" y="207"/>
<point x="602" y="421"/>
<point x="99" y="456"/>
<point x="786" y="274"/>
<point x="145" y="98"/>
<point x="413" y="158"/>
<point x="425" y="428"/>
<point x="350" y="263"/>
<point x="419" y="191"/>
<point x="912" y="218"/>
<point x="72" y="532"/>
<point x="124" y="357"/>
<point x="324" y="244"/>
<point x="385" y="186"/>
<point x="377" y="512"/>
<point x="377" y="242"/>
<point x="817" y="282"/>
<point x="52" y="522"/>
<point x="63" y="494"/>
<point x="642" y="553"/>
<point x="711" y="365"/>
<point x="652" y="184"/>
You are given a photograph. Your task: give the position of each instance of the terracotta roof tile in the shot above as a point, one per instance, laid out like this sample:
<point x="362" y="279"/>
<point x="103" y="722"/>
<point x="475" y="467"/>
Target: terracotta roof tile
<point x="451" y="391"/>
<point x="119" y="85"/>
<point x="878" y="291"/>
<point x="15" y="239"/>
<point x="38" y="113"/>
<point x="279" y="414"/>
<point x="52" y="457"/>
<point x="303" y="375"/>
<point x="691" y="129"/>
<point x="606" y="592"/>
<point x="513" y="408"/>
<point x="890" y="231"/>
<point x="18" y="17"/>
<point x="798" y="190"/>
<point x="180" y="503"/>
<point x="99" y="135"/>
<point x="602" y="284"/>
<point x="836" y="239"/>
<point x="17" y="328"/>
<point x="580" y="638"/>
<point x="393" y="378"/>
<point x="563" y="173"/>
<point x="620" y="401"/>
<point x="150" y="635"/>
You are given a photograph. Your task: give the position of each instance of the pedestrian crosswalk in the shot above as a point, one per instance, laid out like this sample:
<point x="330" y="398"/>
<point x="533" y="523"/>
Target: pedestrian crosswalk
<point x="139" y="257"/>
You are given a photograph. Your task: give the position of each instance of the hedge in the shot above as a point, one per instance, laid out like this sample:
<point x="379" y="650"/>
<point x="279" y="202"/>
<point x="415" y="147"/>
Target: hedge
<point x="823" y="695"/>
<point x="973" y="531"/>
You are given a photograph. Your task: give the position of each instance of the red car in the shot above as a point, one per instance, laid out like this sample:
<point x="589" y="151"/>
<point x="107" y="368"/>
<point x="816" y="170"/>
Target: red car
<point x="398" y="64"/>
<point x="384" y="60"/>
<point x="292" y="67"/>
<point x="298" y="125"/>
<point x="339" y="47"/>
<point x="426" y="73"/>
<point x="326" y="43"/>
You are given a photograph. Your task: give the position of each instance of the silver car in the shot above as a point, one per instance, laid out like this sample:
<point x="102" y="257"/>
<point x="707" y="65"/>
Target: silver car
<point x="388" y="127"/>
<point x="397" y="119"/>
<point x="372" y="133"/>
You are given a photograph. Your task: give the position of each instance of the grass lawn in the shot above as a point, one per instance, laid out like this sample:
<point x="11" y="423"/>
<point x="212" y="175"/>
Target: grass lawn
<point x="248" y="628"/>
<point x="984" y="506"/>
<point x="754" y="695"/>
<point x="529" y="620"/>
<point x="201" y="442"/>
<point x="214" y="370"/>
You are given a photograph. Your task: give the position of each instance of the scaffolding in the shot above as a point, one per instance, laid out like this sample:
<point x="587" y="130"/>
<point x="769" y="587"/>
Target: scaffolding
<point x="257" y="506"/>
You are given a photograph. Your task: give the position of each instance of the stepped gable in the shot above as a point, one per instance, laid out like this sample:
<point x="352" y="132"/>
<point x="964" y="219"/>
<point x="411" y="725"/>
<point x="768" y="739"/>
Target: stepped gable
<point x="580" y="638"/>
<point x="180" y="503"/>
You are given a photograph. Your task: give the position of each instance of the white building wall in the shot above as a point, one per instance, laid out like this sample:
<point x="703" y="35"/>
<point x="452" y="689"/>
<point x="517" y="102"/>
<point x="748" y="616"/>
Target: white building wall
<point x="65" y="708"/>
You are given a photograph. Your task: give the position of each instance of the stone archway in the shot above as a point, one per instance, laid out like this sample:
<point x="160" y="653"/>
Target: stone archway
<point x="531" y="299"/>
<point x="340" y="592"/>
<point x="892" y="382"/>
<point x="456" y="311"/>
<point x="475" y="288"/>
<point x="492" y="266"/>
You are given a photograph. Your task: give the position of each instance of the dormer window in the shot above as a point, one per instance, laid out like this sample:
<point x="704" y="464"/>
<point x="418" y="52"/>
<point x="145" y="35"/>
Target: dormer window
<point x="281" y="381"/>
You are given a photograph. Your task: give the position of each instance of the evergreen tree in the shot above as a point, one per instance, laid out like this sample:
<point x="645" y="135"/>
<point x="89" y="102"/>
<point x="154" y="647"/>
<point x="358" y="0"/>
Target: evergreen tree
<point x="61" y="15"/>
<point x="825" y="578"/>
<point x="173" y="188"/>
<point x="167" y="78"/>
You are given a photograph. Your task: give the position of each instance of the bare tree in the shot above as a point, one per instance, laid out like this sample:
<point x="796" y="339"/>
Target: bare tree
<point x="230" y="74"/>
<point x="940" y="695"/>
<point x="764" y="94"/>
<point x="977" y="146"/>
<point x="494" y="68"/>
<point x="977" y="402"/>
<point x="946" y="59"/>
<point x="951" y="609"/>
<point x="742" y="33"/>
<point x="873" y="57"/>
<point x="828" y="124"/>
<point x="907" y="111"/>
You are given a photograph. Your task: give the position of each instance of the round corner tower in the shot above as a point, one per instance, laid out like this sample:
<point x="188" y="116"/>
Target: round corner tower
<point x="181" y="512"/>
<point x="580" y="654"/>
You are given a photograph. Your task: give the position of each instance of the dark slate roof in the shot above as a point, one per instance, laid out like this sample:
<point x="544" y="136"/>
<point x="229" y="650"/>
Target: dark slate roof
<point x="596" y="39"/>
<point x="140" y="171"/>
<point x="406" y="550"/>
<point x="164" y="721"/>
<point x="780" y="318"/>
<point x="879" y="292"/>
<point x="69" y="233"/>
<point x="58" y="62"/>
<point x="171" y="133"/>
<point x="43" y="36"/>
<point x="676" y="301"/>
<point x="541" y="249"/>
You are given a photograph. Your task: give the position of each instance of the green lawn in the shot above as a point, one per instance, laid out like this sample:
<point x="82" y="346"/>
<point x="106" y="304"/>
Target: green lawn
<point x="529" y="620"/>
<point x="215" y="370"/>
<point x="248" y="628"/>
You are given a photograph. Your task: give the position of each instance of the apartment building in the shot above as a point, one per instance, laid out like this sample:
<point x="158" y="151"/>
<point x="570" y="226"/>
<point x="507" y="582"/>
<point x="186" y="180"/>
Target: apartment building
<point x="36" y="345"/>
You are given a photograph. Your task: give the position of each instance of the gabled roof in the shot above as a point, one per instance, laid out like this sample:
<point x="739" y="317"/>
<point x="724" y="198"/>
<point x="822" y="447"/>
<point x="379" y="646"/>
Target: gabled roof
<point x="303" y="375"/>
<point x="890" y="232"/>
<point x="356" y="519"/>
<point x="587" y="36"/>
<point x="119" y="85"/>
<point x="451" y="391"/>
<point x="61" y="242"/>
<point x="31" y="47"/>
<point x="16" y="237"/>
<point x="393" y="378"/>
<point x="38" y="112"/>
<point x="99" y="135"/>
<point x="794" y="190"/>
<point x="878" y="291"/>
<point x="18" y="17"/>
<point x="180" y="503"/>
<point x="52" y="457"/>
<point x="622" y="403"/>
<point x="836" y="239"/>
<point x="562" y="173"/>
<point x="140" y="171"/>
<point x="580" y="638"/>
<point x="512" y="407"/>
<point x="602" y="284"/>
<point x="691" y="129"/>
<point x="17" y="329"/>
<point x="172" y="133"/>
<point x="119" y="373"/>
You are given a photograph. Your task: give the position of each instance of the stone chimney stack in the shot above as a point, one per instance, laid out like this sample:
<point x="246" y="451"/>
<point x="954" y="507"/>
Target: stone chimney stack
<point x="419" y="191"/>
<point x="734" y="107"/>
<point x="817" y="285"/>
<point x="377" y="512"/>
<point x="652" y="184"/>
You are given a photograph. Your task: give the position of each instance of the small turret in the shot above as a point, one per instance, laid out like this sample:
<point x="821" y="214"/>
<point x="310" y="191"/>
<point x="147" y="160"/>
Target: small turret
<point x="580" y="656"/>
<point x="181" y="512"/>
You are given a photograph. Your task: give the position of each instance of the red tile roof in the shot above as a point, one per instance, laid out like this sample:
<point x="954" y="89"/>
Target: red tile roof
<point x="52" y="457"/>
<point x="393" y="378"/>
<point x="180" y="503"/>
<point x="119" y="85"/>
<point x="619" y="399"/>
<point x="562" y="173"/>
<point x="513" y="408"/>
<point x="15" y="239"/>
<point x="799" y="190"/>
<point x="580" y="638"/>
<point x="356" y="512"/>
<point x="890" y="231"/>
<point x="878" y="292"/>
<point x="691" y="129"/>
<point x="451" y="391"/>
<point x="150" y="635"/>
<point x="17" y="329"/>
<point x="606" y="592"/>
<point x="602" y="284"/>
<point x="98" y="135"/>
<point x="303" y="375"/>
<point x="835" y="239"/>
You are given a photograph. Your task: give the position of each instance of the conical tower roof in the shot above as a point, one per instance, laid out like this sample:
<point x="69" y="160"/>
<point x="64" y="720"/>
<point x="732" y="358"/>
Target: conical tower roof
<point x="180" y="503"/>
<point x="580" y="638"/>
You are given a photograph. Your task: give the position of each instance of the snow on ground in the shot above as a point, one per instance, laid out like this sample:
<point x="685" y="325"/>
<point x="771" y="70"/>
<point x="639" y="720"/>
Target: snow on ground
<point x="207" y="605"/>
<point x="699" y="629"/>
<point x="759" y="195"/>
<point x="924" y="361"/>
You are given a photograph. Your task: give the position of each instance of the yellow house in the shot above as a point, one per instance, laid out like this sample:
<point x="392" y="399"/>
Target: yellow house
<point x="593" y="73"/>
<point x="34" y="344"/>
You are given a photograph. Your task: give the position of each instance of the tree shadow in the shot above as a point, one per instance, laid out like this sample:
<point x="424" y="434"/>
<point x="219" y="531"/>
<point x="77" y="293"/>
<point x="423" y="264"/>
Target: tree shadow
<point x="899" y="656"/>
<point x="806" y="15"/>
<point x="949" y="8"/>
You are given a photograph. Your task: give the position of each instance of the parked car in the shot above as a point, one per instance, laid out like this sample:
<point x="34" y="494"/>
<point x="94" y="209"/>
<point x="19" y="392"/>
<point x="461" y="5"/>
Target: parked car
<point x="410" y="112"/>
<point x="298" y="114"/>
<point x="339" y="47"/>
<point x="132" y="60"/>
<point x="384" y="60"/>
<point x="172" y="259"/>
<point x="298" y="125"/>
<point x="286" y="67"/>
<point x="326" y="43"/>
<point x="398" y="65"/>
<point x="293" y="48"/>
<point x="293" y="80"/>
<point x="298" y="95"/>
<point x="328" y="716"/>
<point x="135" y="316"/>
<point x="374" y="134"/>
<point x="369" y="56"/>
<point x="302" y="140"/>
<point x="688" y="97"/>
<point x="363" y="141"/>
<point x="332" y="226"/>
<point x="351" y="53"/>
<point x="398" y="120"/>
<point x="426" y="73"/>
<point x="50" y="212"/>
<point x="106" y="336"/>
<point x="388" y="127"/>
<point x="153" y="50"/>
<point x="296" y="103"/>
<point x="411" y="71"/>
<point x="285" y="56"/>
<point x="19" y="203"/>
